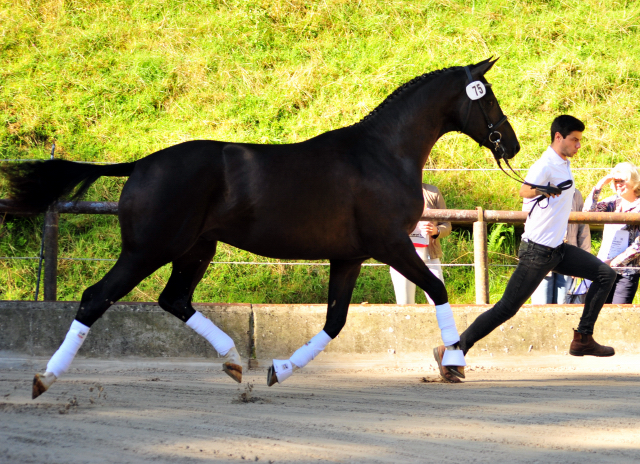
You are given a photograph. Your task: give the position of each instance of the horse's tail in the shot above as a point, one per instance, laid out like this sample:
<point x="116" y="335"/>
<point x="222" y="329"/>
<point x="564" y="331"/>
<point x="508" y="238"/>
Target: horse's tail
<point x="35" y="185"/>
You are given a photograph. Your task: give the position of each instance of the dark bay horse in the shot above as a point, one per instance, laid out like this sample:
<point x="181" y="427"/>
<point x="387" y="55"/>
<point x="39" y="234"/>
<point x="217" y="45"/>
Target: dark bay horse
<point x="346" y="195"/>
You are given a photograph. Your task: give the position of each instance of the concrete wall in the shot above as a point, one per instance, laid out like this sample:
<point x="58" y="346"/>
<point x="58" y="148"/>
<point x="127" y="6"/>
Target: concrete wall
<point x="268" y="331"/>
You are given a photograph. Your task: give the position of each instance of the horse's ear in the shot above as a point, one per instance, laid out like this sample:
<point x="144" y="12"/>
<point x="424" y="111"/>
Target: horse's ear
<point x="480" y="69"/>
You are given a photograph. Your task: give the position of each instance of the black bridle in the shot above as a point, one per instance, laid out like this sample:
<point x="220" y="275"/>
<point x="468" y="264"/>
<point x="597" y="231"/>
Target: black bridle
<point x="493" y="135"/>
<point x="495" y="138"/>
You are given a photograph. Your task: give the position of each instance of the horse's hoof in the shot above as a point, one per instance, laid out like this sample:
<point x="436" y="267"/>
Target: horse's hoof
<point x="272" y="378"/>
<point x="445" y="371"/>
<point x="233" y="370"/>
<point x="454" y="358"/>
<point x="458" y="371"/>
<point x="41" y="383"/>
<point x="280" y="370"/>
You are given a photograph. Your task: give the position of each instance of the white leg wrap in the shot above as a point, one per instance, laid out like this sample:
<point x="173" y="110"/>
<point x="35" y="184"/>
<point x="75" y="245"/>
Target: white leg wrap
<point x="447" y="324"/>
<point x="310" y="350"/>
<point x="283" y="368"/>
<point x="220" y="341"/>
<point x="453" y="358"/>
<point x="61" y="360"/>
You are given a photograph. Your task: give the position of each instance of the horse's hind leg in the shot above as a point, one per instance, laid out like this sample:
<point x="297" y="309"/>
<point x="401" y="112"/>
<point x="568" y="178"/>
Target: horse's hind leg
<point x="187" y="272"/>
<point x="342" y="280"/>
<point x="120" y="280"/>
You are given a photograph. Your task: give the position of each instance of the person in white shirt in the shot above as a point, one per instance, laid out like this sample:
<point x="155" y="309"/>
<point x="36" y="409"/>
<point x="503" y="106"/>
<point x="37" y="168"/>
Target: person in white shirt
<point x="543" y="248"/>
<point x="554" y="288"/>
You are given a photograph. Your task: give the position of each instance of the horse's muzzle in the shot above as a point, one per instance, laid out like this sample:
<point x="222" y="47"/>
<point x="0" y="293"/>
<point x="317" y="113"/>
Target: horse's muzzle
<point x="500" y="151"/>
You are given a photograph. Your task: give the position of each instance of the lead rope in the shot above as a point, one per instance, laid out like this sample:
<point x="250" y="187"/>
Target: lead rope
<point x="548" y="189"/>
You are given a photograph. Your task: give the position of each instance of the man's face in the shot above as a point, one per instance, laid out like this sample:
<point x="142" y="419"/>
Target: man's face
<point x="568" y="146"/>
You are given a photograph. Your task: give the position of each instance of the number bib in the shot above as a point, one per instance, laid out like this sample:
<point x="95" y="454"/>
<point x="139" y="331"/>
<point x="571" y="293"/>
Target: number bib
<point x="418" y="239"/>
<point x="476" y="90"/>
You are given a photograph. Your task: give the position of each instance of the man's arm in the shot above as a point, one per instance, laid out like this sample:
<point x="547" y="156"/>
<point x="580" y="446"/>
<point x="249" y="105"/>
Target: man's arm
<point x="584" y="237"/>
<point x="527" y="192"/>
<point x="537" y="175"/>
<point x="444" y="228"/>
<point x="434" y="199"/>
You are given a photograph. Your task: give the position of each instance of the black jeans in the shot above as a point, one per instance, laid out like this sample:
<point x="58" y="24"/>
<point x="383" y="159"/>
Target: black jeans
<point x="535" y="262"/>
<point x="624" y="289"/>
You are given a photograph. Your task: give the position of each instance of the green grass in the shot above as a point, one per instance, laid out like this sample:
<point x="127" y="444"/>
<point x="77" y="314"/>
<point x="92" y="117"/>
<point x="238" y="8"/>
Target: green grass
<point x="116" y="80"/>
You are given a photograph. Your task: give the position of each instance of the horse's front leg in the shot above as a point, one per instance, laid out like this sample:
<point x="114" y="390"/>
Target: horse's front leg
<point x="404" y="259"/>
<point x="342" y="280"/>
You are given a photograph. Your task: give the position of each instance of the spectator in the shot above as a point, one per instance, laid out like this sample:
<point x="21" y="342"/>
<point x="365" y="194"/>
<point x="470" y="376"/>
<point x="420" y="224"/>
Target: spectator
<point x="426" y="239"/>
<point x="625" y="182"/>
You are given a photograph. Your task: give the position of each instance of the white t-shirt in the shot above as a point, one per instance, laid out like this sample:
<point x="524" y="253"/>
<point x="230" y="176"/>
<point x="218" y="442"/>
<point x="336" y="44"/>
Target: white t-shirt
<point x="547" y="226"/>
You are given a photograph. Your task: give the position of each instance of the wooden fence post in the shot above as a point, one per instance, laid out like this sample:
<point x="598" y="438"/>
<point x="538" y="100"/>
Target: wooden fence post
<point x="481" y="258"/>
<point x="51" y="254"/>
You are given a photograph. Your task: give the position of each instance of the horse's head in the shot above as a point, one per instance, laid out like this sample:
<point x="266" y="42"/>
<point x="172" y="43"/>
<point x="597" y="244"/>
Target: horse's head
<point x="481" y="117"/>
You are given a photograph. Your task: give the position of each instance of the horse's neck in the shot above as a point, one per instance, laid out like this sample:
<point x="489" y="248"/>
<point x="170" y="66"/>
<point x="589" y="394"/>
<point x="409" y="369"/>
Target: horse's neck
<point x="410" y="126"/>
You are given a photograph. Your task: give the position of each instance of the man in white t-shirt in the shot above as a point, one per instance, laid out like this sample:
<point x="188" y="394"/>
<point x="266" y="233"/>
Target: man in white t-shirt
<point x="543" y="248"/>
<point x="554" y="288"/>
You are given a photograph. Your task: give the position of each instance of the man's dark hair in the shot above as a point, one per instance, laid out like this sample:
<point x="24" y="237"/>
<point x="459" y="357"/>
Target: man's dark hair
<point x="565" y="124"/>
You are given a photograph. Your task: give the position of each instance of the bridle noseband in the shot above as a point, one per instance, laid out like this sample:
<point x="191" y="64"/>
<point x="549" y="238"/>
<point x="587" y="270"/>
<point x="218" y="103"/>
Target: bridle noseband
<point x="495" y="138"/>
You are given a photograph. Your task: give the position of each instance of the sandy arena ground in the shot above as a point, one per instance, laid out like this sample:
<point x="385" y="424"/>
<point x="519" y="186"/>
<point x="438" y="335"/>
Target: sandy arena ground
<point x="515" y="409"/>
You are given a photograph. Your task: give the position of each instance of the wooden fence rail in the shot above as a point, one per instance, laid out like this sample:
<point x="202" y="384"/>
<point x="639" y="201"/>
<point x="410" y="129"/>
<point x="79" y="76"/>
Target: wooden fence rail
<point x="478" y="217"/>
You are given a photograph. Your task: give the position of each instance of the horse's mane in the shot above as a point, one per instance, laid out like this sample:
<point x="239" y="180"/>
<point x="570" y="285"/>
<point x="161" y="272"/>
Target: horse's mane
<point x="404" y="87"/>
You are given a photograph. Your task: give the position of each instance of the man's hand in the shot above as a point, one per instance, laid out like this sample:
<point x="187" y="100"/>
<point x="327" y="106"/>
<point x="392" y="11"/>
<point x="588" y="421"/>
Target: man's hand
<point x="547" y="195"/>
<point x="428" y="229"/>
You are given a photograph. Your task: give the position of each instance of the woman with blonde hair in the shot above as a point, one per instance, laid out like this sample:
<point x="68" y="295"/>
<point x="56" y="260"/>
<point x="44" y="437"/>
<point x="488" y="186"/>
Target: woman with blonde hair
<point x="625" y="182"/>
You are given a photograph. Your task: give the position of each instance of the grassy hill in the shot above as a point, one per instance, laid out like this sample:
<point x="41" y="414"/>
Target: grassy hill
<point x="116" y="80"/>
